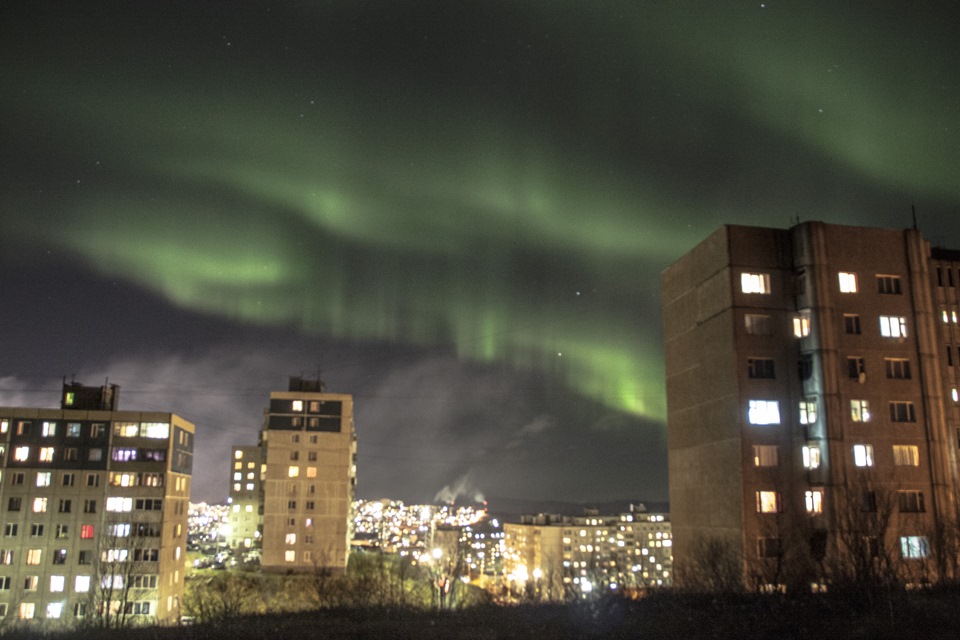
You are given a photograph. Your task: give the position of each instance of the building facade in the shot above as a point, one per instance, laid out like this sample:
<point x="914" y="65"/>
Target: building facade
<point x="306" y="482"/>
<point x="245" y="516"/>
<point x="812" y="407"/>
<point x="94" y="510"/>
<point x="552" y="557"/>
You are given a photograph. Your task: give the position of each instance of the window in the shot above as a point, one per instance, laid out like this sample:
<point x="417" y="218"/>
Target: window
<point x="36" y="530"/>
<point x="95" y="455"/>
<point x="114" y="555"/>
<point x="148" y="504"/>
<point x="291" y="538"/>
<point x="89" y="506"/>
<point x="906" y="455"/>
<point x="48" y="429"/>
<point x="290" y="556"/>
<point x="119" y="530"/>
<point x="893" y="326"/>
<point x="6" y="556"/>
<point x="851" y="323"/>
<point x="294" y="455"/>
<point x="293" y="471"/>
<point x="23" y="428"/>
<point x="297" y="405"/>
<point x="156" y="430"/>
<point x="902" y="411"/>
<point x="955" y="394"/>
<point x="768" y="502"/>
<point x="848" y="282"/>
<point x="46" y="454"/>
<point x="855" y="366"/>
<point x="63" y="531"/>
<point x="768" y="547"/>
<point x="14" y="504"/>
<point x="859" y="410"/>
<point x="85" y="557"/>
<point x="17" y="478"/>
<point x="27" y="609"/>
<point x="98" y="430"/>
<point x="73" y="429"/>
<point x="44" y="478"/>
<point x="764" y="412"/>
<point x="5" y="583"/>
<point x="808" y="411"/>
<point x="760" y="367"/>
<point x="888" y="284"/>
<point x="755" y="282"/>
<point x="10" y="531"/>
<point x="910" y="501"/>
<point x="897" y="368"/>
<point x="914" y="547"/>
<point x="810" y="455"/>
<point x="20" y="454"/>
<point x="33" y="556"/>
<point x="801" y="326"/>
<point x="813" y="500"/>
<point x="311" y="472"/>
<point x="146" y="555"/>
<point x="82" y="584"/>
<point x="123" y="455"/>
<point x="764" y="455"/>
<point x="119" y="505"/>
<point x="291" y="504"/>
<point x="863" y="455"/>
<point x="39" y="505"/>
<point x="126" y="429"/>
<point x="56" y="583"/>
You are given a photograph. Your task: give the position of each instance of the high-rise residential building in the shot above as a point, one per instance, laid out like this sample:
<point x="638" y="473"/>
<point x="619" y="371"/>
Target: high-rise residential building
<point x="93" y="505"/>
<point x="306" y="482"/>
<point x="245" y="516"/>
<point x="554" y="557"/>
<point x="812" y="407"/>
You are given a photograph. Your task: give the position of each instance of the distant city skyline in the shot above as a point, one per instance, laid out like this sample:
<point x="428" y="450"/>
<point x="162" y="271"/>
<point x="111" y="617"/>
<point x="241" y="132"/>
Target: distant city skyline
<point x="457" y="213"/>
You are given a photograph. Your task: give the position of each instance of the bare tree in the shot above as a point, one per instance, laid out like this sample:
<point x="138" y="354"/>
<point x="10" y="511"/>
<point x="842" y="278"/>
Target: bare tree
<point x="712" y="564"/>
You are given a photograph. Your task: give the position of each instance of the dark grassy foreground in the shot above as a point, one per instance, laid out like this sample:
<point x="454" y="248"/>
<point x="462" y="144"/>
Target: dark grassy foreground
<point x="904" y="616"/>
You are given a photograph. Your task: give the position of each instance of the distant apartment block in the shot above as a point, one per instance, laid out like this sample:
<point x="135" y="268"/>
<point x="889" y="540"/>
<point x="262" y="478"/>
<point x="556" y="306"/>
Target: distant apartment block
<point x="553" y="557"/>
<point x="304" y="479"/>
<point x="812" y="400"/>
<point x="93" y="505"/>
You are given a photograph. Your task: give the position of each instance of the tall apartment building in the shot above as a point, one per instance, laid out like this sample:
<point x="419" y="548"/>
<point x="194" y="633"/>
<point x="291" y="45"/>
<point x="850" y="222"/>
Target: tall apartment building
<point x="308" y="450"/>
<point x="812" y="406"/>
<point x="553" y="557"/>
<point x="93" y="505"/>
<point x="245" y="517"/>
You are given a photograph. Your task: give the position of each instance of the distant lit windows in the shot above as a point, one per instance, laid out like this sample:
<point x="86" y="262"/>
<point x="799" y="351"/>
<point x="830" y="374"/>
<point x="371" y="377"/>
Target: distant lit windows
<point x="297" y="405"/>
<point x="763" y="412"/>
<point x="39" y="505"/>
<point x="906" y="455"/>
<point x="311" y="472"/>
<point x="44" y="478"/>
<point x="863" y="455"/>
<point x="902" y="411"/>
<point x="760" y="368"/>
<point x="156" y="430"/>
<point x="81" y="584"/>
<point x="21" y="454"/>
<point x="897" y="368"/>
<point x="848" y="282"/>
<point x="813" y="500"/>
<point x="33" y="556"/>
<point x="290" y="556"/>
<point x="126" y="429"/>
<point x="48" y="429"/>
<point x="119" y="505"/>
<point x="910" y="501"/>
<point x="860" y="410"/>
<point x="893" y="326"/>
<point x="46" y="454"/>
<point x="293" y="471"/>
<point x="765" y="455"/>
<point x="291" y="538"/>
<point x="801" y="326"/>
<point x="768" y="502"/>
<point x="810" y="455"/>
<point x="808" y="411"/>
<point x="73" y="429"/>
<point x="755" y="282"/>
<point x="914" y="547"/>
<point x="123" y="455"/>
<point x="57" y="583"/>
<point x="238" y="454"/>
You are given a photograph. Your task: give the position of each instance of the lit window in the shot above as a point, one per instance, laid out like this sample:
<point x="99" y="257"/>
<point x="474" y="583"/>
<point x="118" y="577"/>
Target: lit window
<point x="755" y="282"/>
<point x="4" y="426"/>
<point x="249" y="508"/>
<point x="249" y="486"/>
<point x="73" y="429"/>
<point x="801" y="326"/>
<point x="764" y="455"/>
<point x="764" y="412"/>
<point x="914" y="547"/>
<point x="115" y="555"/>
<point x="293" y="471"/>
<point x="859" y="410"/>
<point x="291" y="538"/>
<point x="123" y="455"/>
<point x="863" y="455"/>
<point x="311" y="472"/>
<point x="893" y="326"/>
<point x="811" y="456"/>
<point x="20" y="454"/>
<point x="290" y="556"/>
<point x="39" y="505"/>
<point x="46" y="454"/>
<point x="889" y="284"/>
<point x="157" y="430"/>
<point x="768" y="502"/>
<point x="808" y="411"/>
<point x="298" y="405"/>
<point x="48" y="429"/>
<point x="33" y="556"/>
<point x="86" y="532"/>
<point x="57" y="583"/>
<point x="945" y="316"/>
<point x="848" y="282"/>
<point x="902" y="411"/>
<point x="44" y="478"/>
<point x="119" y="505"/>
<point x="27" y="610"/>
<point x="82" y="584"/>
<point x="813" y="499"/>
<point x="906" y="455"/>
<point x="955" y="394"/>
<point x="236" y="486"/>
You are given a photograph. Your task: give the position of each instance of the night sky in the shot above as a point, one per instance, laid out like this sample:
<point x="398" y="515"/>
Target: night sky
<point x="458" y="211"/>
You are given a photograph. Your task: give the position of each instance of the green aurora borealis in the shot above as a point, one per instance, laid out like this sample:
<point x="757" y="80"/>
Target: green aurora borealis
<point x="503" y="179"/>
